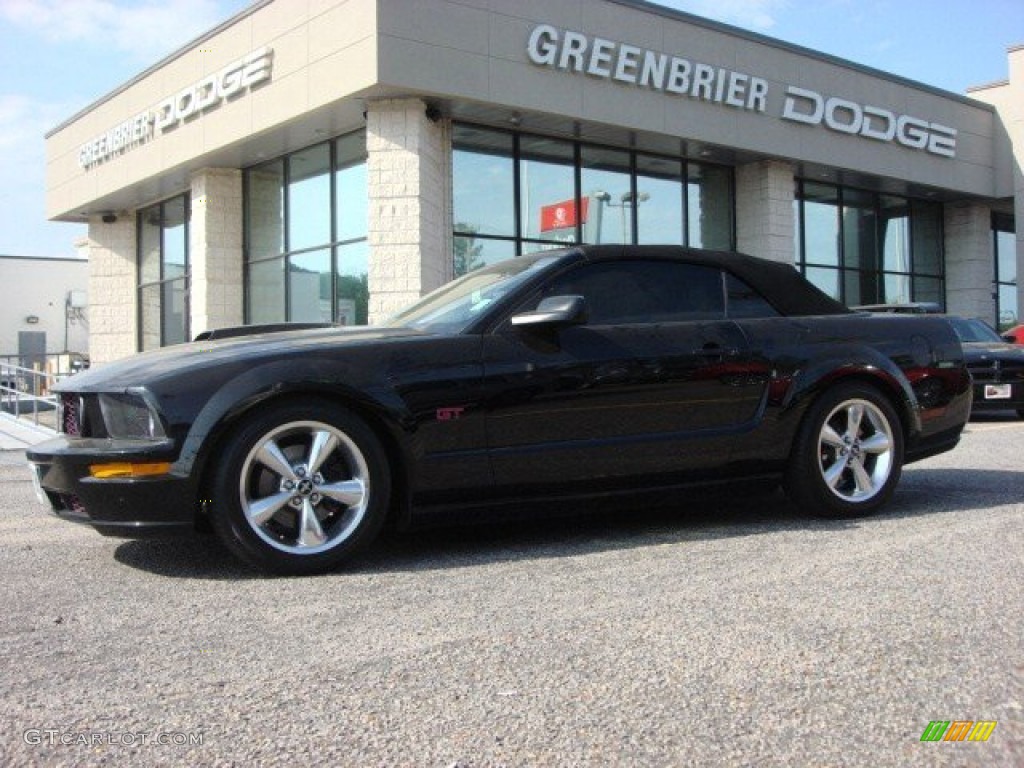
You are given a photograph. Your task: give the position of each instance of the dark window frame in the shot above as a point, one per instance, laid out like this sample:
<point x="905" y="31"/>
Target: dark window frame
<point x="163" y="280"/>
<point x="334" y="246"/>
<point x="520" y="242"/>
<point x="878" y="273"/>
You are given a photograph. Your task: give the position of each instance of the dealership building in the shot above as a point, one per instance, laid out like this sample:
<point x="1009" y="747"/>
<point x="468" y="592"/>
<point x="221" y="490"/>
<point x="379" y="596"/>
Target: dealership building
<point x="336" y="159"/>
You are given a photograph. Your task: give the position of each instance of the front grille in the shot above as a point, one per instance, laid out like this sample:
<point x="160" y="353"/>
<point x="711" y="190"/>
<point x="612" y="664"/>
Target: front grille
<point x="996" y="371"/>
<point x="71" y="419"/>
<point x="72" y="502"/>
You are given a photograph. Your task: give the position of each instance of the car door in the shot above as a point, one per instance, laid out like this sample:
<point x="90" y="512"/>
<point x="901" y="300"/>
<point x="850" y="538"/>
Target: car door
<point x="652" y="384"/>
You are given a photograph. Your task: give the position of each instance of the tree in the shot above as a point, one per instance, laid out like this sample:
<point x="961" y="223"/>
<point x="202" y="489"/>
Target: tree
<point x="468" y="254"/>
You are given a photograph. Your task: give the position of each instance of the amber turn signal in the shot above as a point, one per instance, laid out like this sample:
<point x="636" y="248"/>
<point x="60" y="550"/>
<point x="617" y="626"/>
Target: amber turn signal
<point x="124" y="469"/>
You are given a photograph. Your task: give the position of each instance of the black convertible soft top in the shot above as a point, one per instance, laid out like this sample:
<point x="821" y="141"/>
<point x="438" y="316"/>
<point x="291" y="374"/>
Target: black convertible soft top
<point x="782" y="285"/>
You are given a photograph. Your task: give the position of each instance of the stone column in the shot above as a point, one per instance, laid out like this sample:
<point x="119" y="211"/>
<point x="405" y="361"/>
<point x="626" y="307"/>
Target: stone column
<point x="970" y="267"/>
<point x="765" y="225"/>
<point x="406" y="171"/>
<point x="113" y="287"/>
<point x="215" y="249"/>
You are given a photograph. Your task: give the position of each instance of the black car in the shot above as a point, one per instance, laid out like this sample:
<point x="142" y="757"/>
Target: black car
<point x="996" y="366"/>
<point x="584" y="372"/>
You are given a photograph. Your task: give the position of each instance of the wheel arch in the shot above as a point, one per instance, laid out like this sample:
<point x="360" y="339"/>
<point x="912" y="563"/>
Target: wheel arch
<point x="879" y="373"/>
<point x="234" y="404"/>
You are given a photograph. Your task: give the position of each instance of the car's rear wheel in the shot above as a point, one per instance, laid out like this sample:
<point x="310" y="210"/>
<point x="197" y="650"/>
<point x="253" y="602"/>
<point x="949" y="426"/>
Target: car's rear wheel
<point x="300" y="488"/>
<point x="1020" y="413"/>
<point x="848" y="455"/>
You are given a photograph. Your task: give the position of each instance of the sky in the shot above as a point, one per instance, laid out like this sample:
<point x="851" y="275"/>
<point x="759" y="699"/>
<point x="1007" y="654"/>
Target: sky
<point x="58" y="56"/>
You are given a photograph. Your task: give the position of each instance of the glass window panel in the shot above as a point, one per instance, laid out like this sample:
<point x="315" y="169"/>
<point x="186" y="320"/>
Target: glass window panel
<point x="265" y="210"/>
<point x="821" y="225"/>
<point x="1006" y="251"/>
<point x="1008" y="309"/>
<point x="483" y="182"/>
<point x="861" y="287"/>
<point x="149" y="245"/>
<point x="709" y="207"/>
<point x="798" y="227"/>
<point x="827" y="280"/>
<point x="309" y="287"/>
<point x="897" y="290"/>
<point x="644" y="291"/>
<point x="548" y="189"/>
<point x="929" y="289"/>
<point x="659" y="185"/>
<point x="351" y="187"/>
<point x="472" y="253"/>
<point x="353" y="286"/>
<point x="309" y="198"/>
<point x="174" y="308"/>
<point x="149" y="316"/>
<point x="266" y="291"/>
<point x="859" y="238"/>
<point x="895" y="224"/>
<point x="175" y="232"/>
<point x="926" y="234"/>
<point x="605" y="185"/>
<point x="745" y="302"/>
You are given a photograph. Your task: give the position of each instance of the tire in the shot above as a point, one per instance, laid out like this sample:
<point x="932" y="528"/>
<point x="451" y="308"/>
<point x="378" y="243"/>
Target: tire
<point x="300" y="488"/>
<point x="1020" y="413"/>
<point x="848" y="454"/>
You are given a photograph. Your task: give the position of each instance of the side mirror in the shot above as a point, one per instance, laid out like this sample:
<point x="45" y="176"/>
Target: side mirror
<point x="1010" y="338"/>
<point x="554" y="310"/>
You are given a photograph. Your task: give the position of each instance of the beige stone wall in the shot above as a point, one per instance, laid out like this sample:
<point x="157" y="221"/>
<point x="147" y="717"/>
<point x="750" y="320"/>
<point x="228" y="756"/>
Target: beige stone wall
<point x="407" y="168"/>
<point x="970" y="268"/>
<point x="112" y="288"/>
<point x="765" y="225"/>
<point x="215" y="249"/>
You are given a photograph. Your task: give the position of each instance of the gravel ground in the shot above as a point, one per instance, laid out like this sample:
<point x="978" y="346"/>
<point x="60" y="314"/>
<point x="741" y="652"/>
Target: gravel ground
<point x="716" y="632"/>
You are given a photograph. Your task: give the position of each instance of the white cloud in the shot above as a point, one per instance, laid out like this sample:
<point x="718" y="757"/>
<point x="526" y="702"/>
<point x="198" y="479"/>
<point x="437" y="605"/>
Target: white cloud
<point x="750" y="14"/>
<point x="145" y="28"/>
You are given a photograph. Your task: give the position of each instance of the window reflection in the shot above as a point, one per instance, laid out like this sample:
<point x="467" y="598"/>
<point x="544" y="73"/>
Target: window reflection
<point x="548" y="207"/>
<point x="881" y="248"/>
<point x="311" y="264"/>
<point x="517" y="193"/>
<point x="163" y="269"/>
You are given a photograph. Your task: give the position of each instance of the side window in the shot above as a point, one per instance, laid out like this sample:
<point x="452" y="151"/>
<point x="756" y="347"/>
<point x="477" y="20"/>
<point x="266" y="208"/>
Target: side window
<point x="626" y="292"/>
<point x="745" y="302"/>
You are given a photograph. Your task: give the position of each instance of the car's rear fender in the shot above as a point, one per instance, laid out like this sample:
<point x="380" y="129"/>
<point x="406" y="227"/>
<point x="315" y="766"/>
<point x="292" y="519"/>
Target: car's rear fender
<point x="854" y="362"/>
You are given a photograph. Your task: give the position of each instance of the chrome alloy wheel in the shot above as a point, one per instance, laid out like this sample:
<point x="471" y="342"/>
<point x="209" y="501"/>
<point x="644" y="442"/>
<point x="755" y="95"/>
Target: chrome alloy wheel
<point x="304" y="487"/>
<point x="855" y="450"/>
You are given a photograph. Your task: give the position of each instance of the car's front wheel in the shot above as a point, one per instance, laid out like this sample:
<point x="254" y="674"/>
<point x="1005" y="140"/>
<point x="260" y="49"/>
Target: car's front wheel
<point x="848" y="455"/>
<point x="300" y="488"/>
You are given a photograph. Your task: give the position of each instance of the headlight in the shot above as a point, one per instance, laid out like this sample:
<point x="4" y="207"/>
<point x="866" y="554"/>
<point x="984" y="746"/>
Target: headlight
<point x="128" y="415"/>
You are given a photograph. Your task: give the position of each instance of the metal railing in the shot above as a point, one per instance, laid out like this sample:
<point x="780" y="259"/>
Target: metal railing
<point x="25" y="394"/>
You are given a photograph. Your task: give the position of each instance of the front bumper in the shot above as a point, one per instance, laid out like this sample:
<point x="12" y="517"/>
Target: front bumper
<point x="998" y="396"/>
<point x="127" y="507"/>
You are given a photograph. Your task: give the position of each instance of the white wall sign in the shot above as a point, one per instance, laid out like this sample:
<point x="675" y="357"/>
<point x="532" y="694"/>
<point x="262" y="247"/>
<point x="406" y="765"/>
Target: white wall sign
<point x="200" y="97"/>
<point x="575" y="52"/>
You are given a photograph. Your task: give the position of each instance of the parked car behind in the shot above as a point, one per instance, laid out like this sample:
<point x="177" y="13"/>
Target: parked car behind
<point x="996" y="366"/>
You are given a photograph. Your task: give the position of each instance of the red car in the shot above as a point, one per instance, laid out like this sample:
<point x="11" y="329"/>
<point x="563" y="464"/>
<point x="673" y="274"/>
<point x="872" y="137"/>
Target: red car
<point x="1014" y="335"/>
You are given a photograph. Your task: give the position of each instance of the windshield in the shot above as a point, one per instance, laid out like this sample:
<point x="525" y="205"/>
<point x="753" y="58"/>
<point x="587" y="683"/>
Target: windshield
<point x="973" y="330"/>
<point x="454" y="307"/>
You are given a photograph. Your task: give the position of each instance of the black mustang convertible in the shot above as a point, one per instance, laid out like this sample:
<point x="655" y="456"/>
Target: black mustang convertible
<point x="583" y="372"/>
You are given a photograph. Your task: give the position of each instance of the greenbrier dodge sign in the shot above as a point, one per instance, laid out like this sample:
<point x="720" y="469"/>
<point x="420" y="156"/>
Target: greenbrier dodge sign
<point x="200" y="97"/>
<point x="577" y="53"/>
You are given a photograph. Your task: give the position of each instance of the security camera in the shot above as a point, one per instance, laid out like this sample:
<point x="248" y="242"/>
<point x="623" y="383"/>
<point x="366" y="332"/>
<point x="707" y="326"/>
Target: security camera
<point x="109" y="217"/>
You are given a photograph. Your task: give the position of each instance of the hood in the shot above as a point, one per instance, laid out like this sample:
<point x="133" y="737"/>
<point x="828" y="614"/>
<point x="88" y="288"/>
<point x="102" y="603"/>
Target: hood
<point x="240" y="351"/>
<point x="992" y="350"/>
